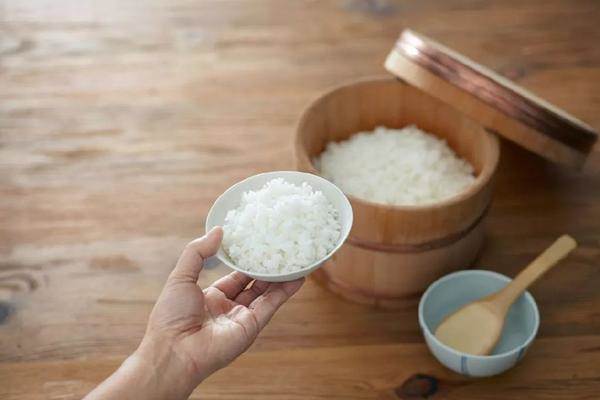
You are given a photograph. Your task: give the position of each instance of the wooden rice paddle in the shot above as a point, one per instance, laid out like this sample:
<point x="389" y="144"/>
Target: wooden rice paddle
<point x="476" y="327"/>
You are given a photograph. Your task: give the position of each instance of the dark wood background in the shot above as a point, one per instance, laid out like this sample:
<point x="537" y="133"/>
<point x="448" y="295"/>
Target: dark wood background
<point x="121" y="121"/>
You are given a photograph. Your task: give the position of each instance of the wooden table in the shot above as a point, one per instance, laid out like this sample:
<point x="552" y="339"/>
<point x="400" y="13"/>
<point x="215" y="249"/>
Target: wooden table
<point x="121" y="121"/>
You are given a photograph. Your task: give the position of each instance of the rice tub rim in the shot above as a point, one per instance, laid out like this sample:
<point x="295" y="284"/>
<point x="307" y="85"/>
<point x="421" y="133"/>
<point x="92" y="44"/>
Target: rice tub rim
<point x="490" y="165"/>
<point x="277" y="174"/>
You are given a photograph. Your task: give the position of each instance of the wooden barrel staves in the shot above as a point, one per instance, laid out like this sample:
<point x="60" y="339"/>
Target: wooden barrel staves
<point x="394" y="252"/>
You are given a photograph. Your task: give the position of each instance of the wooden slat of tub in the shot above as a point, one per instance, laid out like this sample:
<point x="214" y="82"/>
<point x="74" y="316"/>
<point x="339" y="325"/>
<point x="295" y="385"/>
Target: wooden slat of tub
<point x="121" y="122"/>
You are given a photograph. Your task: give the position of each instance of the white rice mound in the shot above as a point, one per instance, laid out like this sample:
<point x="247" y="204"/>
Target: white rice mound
<point x="396" y="167"/>
<point x="281" y="228"/>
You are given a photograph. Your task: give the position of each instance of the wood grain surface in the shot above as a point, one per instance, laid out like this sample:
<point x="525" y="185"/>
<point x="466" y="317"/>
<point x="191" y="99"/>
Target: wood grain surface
<point x="121" y="121"/>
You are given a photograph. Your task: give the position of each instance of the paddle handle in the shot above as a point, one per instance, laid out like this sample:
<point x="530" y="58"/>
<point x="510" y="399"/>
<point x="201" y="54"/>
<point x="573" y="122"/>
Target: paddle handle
<point x="538" y="267"/>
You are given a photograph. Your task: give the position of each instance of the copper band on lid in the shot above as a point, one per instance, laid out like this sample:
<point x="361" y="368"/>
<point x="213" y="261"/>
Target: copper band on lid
<point x="545" y="123"/>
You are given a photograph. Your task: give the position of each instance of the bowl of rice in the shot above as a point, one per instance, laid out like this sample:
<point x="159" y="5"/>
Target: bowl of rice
<point x="419" y="175"/>
<point x="280" y="226"/>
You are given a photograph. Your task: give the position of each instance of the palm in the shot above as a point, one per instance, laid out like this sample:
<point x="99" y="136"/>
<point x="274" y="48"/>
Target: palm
<point x="215" y="325"/>
<point x="211" y="330"/>
<point x="193" y="332"/>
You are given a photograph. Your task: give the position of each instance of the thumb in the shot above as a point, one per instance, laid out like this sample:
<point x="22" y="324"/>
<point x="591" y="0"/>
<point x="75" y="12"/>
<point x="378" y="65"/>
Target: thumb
<point x="190" y="262"/>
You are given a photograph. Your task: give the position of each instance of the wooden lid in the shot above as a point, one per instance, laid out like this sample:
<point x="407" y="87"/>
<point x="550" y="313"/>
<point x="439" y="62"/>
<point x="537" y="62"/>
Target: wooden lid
<point x="494" y="101"/>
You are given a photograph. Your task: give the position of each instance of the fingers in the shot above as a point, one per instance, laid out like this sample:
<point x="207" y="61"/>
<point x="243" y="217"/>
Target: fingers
<point x="265" y="306"/>
<point x="250" y="294"/>
<point x="231" y="285"/>
<point x="247" y="320"/>
<point x="190" y="262"/>
<point x="216" y="302"/>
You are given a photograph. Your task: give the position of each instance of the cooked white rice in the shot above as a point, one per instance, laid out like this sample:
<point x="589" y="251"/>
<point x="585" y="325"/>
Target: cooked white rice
<point x="280" y="228"/>
<point x="396" y="166"/>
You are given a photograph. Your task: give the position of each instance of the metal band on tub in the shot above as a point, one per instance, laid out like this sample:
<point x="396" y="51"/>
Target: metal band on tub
<point x="421" y="247"/>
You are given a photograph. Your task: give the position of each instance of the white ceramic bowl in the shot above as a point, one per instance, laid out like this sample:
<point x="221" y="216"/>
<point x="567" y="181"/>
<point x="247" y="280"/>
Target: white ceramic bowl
<point x="451" y="292"/>
<point x="232" y="197"/>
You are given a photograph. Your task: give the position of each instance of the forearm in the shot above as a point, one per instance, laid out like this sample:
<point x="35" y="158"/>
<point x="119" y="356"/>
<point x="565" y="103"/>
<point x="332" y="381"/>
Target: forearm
<point x="152" y="372"/>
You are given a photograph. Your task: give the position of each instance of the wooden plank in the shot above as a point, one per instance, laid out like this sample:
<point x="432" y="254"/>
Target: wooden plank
<point x="341" y="372"/>
<point x="120" y="122"/>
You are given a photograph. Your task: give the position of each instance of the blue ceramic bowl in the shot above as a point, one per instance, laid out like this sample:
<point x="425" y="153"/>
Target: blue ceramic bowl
<point x="451" y="292"/>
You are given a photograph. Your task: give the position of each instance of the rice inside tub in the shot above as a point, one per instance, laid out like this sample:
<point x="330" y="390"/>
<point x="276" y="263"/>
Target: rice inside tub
<point x="396" y="167"/>
<point x="281" y="228"/>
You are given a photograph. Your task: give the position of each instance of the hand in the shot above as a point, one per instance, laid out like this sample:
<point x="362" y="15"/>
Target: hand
<point x="192" y="332"/>
<point x="209" y="328"/>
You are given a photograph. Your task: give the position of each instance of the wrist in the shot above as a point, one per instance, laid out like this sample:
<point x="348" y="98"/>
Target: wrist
<point x="152" y="372"/>
<point x="167" y="374"/>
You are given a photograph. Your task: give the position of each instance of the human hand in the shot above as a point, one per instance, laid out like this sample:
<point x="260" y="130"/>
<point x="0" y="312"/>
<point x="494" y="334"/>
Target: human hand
<point x="192" y="332"/>
<point x="211" y="327"/>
